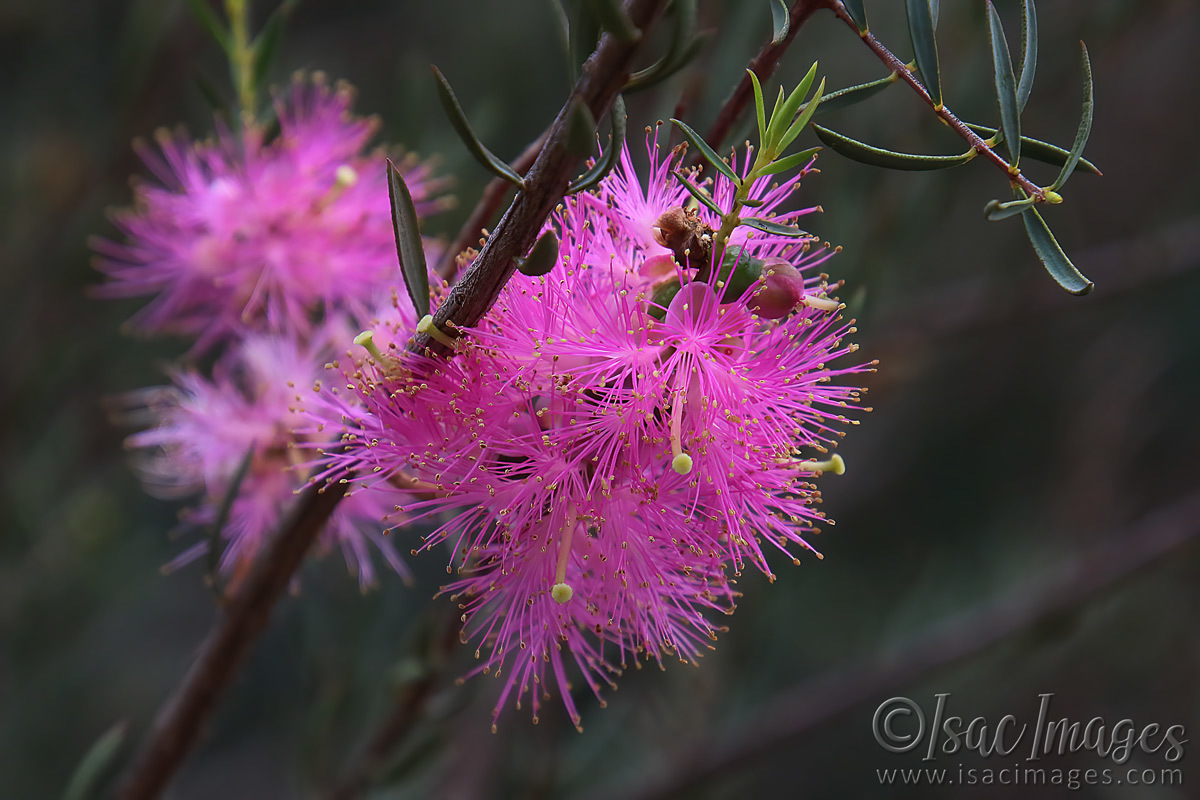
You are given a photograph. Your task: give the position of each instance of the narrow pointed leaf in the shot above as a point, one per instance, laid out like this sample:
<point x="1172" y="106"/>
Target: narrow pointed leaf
<point x="788" y="162"/>
<point x="781" y="118"/>
<point x="760" y="112"/>
<point x="1029" y="46"/>
<point x="584" y="35"/>
<point x="857" y="13"/>
<point x="706" y="152"/>
<point x="781" y="21"/>
<point x="95" y="763"/>
<point x="878" y="157"/>
<point x="463" y="128"/>
<point x="934" y="8"/>
<point x="224" y="509"/>
<point x="208" y="18"/>
<point x="608" y="158"/>
<point x="844" y="98"/>
<point x="267" y="42"/>
<point x="695" y="191"/>
<point x="682" y="48"/>
<point x="1033" y="148"/>
<point x="408" y="241"/>
<point x="995" y="210"/>
<point x="581" y="129"/>
<point x="212" y="96"/>
<point x="920" y="30"/>
<point x="805" y="117"/>
<point x="613" y="19"/>
<point x="1052" y="255"/>
<point x="767" y="226"/>
<point x="542" y="257"/>
<point x="1085" y="124"/>
<point x="1006" y="87"/>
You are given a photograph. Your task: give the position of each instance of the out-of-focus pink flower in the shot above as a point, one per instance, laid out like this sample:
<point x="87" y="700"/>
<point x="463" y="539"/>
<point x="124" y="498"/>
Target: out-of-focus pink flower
<point x="250" y="233"/>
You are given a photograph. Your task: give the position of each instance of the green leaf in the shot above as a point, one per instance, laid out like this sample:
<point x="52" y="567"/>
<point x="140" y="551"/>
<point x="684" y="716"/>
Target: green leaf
<point x="206" y="17"/>
<point x="1037" y="150"/>
<point x="920" y="30"/>
<point x="584" y="35"/>
<point x="760" y="113"/>
<point x="212" y="95"/>
<point x="408" y="241"/>
<point x="223" y="510"/>
<point x="609" y="158"/>
<point x="542" y="257"/>
<point x="706" y="152"/>
<point x="459" y="120"/>
<point x="857" y="13"/>
<point x="786" y="163"/>
<point x="1029" y="45"/>
<point x="581" y="128"/>
<point x="267" y="41"/>
<point x="844" y="98"/>
<point x="781" y="117"/>
<point x="1052" y="255"/>
<point x="878" y="157"/>
<point x="1006" y="87"/>
<point x="1085" y="124"/>
<point x="934" y="8"/>
<point x="805" y="117"/>
<point x="781" y="21"/>
<point x="767" y="226"/>
<point x="613" y="19"/>
<point x="695" y="191"/>
<point x="682" y="48"/>
<point x="995" y="210"/>
<point x="98" y="759"/>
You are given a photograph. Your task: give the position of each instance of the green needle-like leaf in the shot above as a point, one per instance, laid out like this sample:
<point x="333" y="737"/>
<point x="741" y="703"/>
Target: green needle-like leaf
<point x="934" y="8"/>
<point x="1029" y="46"/>
<point x="805" y="117"/>
<point x="995" y="210"/>
<point x="581" y="129"/>
<point x="1052" y="255"/>
<point x="1006" y="87"/>
<point x="267" y="42"/>
<point x="767" y="226"/>
<point x="706" y="152"/>
<point x="695" y="191"/>
<point x="759" y="108"/>
<point x="844" y="98"/>
<point x="920" y="30"/>
<point x="1085" y="124"/>
<point x="857" y="13"/>
<point x="205" y="15"/>
<point x="608" y="160"/>
<point x="459" y="120"/>
<point x="408" y="241"/>
<point x="542" y="257"/>
<point x="878" y="157"/>
<point x="781" y="21"/>
<point x="781" y="117"/>
<point x="1034" y="148"/>
<point x="614" y="19"/>
<point x="787" y="162"/>
<point x="683" y="48"/>
<point x="99" y="757"/>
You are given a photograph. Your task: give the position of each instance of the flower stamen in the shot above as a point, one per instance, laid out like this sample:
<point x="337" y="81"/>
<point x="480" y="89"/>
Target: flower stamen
<point x="681" y="462"/>
<point x="562" y="591"/>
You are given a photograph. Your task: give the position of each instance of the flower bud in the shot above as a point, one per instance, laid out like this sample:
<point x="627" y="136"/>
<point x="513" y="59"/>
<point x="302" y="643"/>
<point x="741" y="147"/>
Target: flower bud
<point x="782" y="288"/>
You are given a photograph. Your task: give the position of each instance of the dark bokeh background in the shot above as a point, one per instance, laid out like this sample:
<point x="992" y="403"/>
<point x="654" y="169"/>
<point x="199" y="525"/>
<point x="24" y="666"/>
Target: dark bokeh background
<point x="1015" y="427"/>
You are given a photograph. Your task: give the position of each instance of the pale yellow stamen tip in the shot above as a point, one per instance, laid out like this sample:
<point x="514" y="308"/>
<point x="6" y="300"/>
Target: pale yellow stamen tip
<point x="562" y="593"/>
<point x="366" y="339"/>
<point x="346" y="176"/>
<point x="835" y="465"/>
<point x="823" y="303"/>
<point x="427" y="327"/>
<point x="682" y="463"/>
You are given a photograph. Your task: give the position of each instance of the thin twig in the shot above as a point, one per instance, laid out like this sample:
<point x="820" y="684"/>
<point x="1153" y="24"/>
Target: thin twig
<point x="795" y="712"/>
<point x="489" y="202"/>
<point x="898" y="67"/>
<point x="603" y="75"/>
<point x="185" y="713"/>
<point x="763" y="65"/>
<point x="407" y="710"/>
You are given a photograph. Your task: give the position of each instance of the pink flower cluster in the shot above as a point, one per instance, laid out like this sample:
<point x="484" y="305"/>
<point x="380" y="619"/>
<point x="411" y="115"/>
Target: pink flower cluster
<point x="612" y="439"/>
<point x="262" y="249"/>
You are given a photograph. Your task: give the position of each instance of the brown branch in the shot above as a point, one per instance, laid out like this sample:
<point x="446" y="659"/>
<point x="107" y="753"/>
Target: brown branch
<point x="763" y="65"/>
<point x="493" y="195"/>
<point x="604" y="74"/>
<point x="793" y="713"/>
<point x="898" y="67"/>
<point x="185" y="713"/>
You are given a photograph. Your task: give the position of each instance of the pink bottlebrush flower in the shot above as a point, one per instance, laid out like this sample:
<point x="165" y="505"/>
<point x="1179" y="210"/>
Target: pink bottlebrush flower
<point x="608" y="449"/>
<point x="247" y="233"/>
<point x="204" y="430"/>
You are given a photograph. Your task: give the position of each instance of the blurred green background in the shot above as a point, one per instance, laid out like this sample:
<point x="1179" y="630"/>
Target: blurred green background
<point x="1016" y="428"/>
